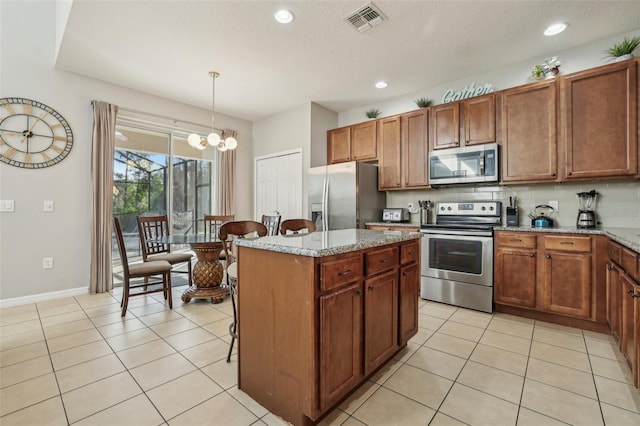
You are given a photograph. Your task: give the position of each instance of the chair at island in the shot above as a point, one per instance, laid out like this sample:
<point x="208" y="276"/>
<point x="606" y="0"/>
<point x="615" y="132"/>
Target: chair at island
<point x="297" y="226"/>
<point x="212" y="224"/>
<point x="228" y="232"/>
<point x="153" y="227"/>
<point x="272" y="222"/>
<point x="141" y="270"/>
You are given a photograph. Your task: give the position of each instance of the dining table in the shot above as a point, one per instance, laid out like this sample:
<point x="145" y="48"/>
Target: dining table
<point x="208" y="271"/>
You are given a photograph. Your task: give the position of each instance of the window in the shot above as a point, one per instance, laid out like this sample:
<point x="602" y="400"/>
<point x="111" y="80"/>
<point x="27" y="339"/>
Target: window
<point x="156" y="172"/>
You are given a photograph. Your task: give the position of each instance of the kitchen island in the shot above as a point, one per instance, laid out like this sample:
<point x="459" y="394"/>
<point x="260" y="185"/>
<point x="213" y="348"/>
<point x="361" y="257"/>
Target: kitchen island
<point x="319" y="313"/>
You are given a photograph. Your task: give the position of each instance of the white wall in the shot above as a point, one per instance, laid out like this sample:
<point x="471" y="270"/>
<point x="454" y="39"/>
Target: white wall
<point x="577" y="59"/>
<point x="27" y="55"/>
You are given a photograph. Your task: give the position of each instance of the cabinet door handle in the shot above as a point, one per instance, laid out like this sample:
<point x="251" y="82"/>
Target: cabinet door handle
<point x="371" y="288"/>
<point x="609" y="268"/>
<point x="516" y="240"/>
<point x="567" y="243"/>
<point x="569" y="174"/>
<point x="343" y="273"/>
<point x="385" y="260"/>
<point x="359" y="292"/>
<point x="405" y="273"/>
<point x="553" y="174"/>
<point x="411" y="252"/>
<point x="532" y="255"/>
<point x="630" y="292"/>
<point x="548" y="256"/>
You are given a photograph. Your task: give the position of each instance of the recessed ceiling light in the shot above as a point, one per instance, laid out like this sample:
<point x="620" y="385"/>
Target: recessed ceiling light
<point x="283" y="16"/>
<point x="556" y="28"/>
<point x="381" y="84"/>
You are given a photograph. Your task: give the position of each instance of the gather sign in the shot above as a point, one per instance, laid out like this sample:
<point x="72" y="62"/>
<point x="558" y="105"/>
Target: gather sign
<point x="468" y="92"/>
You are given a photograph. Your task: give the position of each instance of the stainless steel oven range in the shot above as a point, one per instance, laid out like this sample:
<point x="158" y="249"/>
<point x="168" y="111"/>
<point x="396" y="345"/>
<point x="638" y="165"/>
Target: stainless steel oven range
<point x="457" y="254"/>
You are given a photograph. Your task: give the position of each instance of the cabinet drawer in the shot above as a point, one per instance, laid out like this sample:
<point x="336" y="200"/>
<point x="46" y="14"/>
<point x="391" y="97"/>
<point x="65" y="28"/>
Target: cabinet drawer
<point x="629" y="263"/>
<point x="614" y="251"/>
<point x="337" y="273"/>
<point x="564" y="243"/>
<point x="516" y="239"/>
<point x="409" y="253"/>
<point x="381" y="260"/>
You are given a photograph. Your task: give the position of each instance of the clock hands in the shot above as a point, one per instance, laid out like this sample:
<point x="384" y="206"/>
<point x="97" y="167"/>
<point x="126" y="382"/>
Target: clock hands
<point x="29" y="133"/>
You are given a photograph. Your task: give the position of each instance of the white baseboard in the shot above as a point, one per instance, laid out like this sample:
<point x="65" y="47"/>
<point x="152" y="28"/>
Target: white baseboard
<point x="23" y="300"/>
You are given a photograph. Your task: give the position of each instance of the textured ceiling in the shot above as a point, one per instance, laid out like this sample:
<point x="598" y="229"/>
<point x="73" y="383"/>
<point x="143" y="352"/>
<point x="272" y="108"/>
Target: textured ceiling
<point x="167" y="48"/>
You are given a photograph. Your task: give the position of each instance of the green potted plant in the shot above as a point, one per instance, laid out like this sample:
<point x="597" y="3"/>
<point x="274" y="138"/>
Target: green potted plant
<point x="549" y="68"/>
<point x="424" y="102"/>
<point x="372" y="113"/>
<point x="623" y="50"/>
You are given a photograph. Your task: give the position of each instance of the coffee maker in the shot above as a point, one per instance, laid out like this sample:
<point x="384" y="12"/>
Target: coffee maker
<point x="586" y="215"/>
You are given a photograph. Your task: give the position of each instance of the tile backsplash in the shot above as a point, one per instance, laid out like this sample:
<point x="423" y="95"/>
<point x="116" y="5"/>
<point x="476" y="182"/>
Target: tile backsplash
<point x="617" y="205"/>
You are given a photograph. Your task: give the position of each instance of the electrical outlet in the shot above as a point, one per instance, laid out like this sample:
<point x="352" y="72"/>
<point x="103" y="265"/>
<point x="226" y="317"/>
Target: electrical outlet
<point x="47" y="206"/>
<point x="410" y="207"/>
<point x="554" y="204"/>
<point x="6" y="206"/>
<point x="47" y="263"/>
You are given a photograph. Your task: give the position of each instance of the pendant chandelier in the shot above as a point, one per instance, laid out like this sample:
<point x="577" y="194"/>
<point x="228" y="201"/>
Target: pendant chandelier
<point x="214" y="138"/>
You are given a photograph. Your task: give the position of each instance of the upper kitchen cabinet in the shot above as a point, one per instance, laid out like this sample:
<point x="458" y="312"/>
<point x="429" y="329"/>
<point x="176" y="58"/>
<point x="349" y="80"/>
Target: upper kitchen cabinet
<point x="404" y="150"/>
<point x="599" y="122"/>
<point x="352" y="143"/>
<point x="463" y="123"/>
<point x="529" y="133"/>
<point x="389" y="161"/>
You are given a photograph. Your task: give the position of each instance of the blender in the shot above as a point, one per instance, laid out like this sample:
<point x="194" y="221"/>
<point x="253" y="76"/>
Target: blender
<point x="586" y="215"/>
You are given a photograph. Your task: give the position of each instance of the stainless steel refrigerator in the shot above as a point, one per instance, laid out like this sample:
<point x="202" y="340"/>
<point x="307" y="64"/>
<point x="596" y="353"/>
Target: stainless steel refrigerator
<point x="345" y="195"/>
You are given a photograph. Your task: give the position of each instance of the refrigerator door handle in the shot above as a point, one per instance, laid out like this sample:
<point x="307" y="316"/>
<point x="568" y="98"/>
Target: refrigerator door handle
<point x="325" y="208"/>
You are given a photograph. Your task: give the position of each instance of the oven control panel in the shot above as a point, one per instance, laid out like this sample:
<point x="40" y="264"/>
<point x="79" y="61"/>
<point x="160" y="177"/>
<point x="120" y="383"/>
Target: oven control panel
<point x="472" y="208"/>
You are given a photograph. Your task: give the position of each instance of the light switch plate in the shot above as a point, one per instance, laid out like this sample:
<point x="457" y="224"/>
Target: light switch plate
<point x="555" y="205"/>
<point x="6" y="206"/>
<point x="47" y="206"/>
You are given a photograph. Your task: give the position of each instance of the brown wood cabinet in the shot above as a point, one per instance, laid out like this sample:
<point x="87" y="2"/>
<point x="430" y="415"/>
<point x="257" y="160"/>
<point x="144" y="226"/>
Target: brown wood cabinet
<point x="390" y="160"/>
<point x="599" y="110"/>
<point x="313" y="329"/>
<point x="515" y="269"/>
<point x="567" y="275"/>
<point x="404" y="150"/>
<point x="551" y="276"/>
<point x="357" y="142"/>
<point x="468" y="122"/>
<point x="623" y="303"/>
<point x="529" y="133"/>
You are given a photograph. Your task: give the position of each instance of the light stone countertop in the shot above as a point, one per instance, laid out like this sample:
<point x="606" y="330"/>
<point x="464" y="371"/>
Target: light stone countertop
<point x="629" y="237"/>
<point x="328" y="243"/>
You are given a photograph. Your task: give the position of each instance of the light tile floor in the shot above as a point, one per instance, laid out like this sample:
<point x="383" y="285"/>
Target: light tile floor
<point x="75" y="361"/>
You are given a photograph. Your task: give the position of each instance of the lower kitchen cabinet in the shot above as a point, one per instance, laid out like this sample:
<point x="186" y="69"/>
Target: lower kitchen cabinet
<point x="312" y="329"/>
<point x="567" y="276"/>
<point x="623" y="303"/>
<point x="380" y="319"/>
<point x="630" y="325"/>
<point x="551" y="277"/>
<point x="515" y="269"/>
<point x="340" y="342"/>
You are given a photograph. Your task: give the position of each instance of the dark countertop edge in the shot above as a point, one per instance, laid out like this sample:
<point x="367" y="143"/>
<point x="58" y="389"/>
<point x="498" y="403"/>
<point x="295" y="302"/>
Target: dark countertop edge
<point x="620" y="235"/>
<point x="387" y="237"/>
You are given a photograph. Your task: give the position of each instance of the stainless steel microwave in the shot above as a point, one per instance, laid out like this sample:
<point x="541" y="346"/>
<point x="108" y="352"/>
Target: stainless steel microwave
<point x="472" y="164"/>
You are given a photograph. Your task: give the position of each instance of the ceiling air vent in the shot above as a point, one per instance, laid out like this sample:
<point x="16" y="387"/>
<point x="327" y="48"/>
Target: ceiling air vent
<point x="365" y="18"/>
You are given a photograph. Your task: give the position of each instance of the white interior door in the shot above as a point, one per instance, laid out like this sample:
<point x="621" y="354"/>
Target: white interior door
<point x="278" y="185"/>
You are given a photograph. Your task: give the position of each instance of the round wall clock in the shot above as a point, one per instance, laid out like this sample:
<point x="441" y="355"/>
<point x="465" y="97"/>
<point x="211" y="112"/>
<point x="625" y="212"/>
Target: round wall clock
<point x="32" y="134"/>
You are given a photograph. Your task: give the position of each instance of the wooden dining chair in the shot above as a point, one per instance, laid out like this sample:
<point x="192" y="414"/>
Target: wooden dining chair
<point x="272" y="222"/>
<point x="144" y="270"/>
<point x="152" y="227"/>
<point x="229" y="232"/>
<point x="295" y="226"/>
<point x="212" y="224"/>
